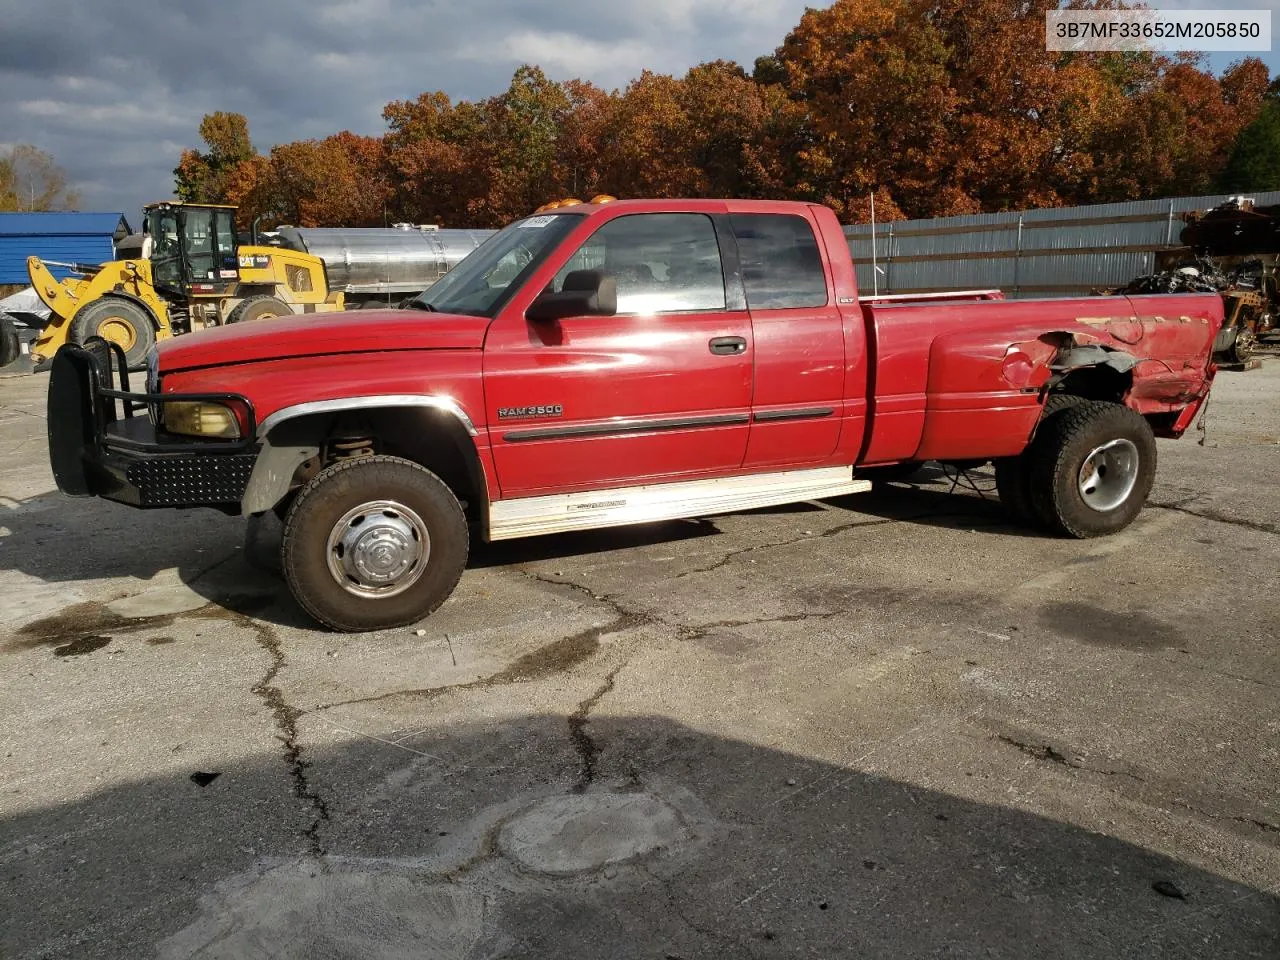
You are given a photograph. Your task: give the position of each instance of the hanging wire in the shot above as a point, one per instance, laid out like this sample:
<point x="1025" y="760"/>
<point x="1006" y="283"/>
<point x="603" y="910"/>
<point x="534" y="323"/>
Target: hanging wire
<point x="969" y="480"/>
<point x="1202" y="422"/>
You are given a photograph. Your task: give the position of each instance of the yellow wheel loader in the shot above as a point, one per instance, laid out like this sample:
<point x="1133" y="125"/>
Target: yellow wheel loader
<point x="184" y="272"/>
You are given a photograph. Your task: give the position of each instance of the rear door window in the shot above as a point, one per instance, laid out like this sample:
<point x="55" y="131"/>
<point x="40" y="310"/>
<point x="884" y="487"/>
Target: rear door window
<point x="781" y="265"/>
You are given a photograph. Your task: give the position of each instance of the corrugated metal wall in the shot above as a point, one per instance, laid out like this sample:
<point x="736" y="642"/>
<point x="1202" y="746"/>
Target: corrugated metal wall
<point x="1062" y="251"/>
<point x="66" y="237"/>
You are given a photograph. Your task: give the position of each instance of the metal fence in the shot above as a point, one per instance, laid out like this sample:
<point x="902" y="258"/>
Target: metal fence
<point x="1060" y="251"/>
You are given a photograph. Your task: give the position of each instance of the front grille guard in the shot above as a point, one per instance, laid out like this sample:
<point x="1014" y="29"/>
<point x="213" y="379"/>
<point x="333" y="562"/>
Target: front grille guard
<point x="101" y="358"/>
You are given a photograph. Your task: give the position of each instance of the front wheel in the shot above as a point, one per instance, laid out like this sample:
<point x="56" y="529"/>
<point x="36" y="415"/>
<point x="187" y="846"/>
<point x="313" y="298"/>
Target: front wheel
<point x="117" y="321"/>
<point x="373" y="543"/>
<point x="1092" y="468"/>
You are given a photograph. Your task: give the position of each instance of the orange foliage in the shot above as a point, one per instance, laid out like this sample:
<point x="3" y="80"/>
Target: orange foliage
<point x="939" y="107"/>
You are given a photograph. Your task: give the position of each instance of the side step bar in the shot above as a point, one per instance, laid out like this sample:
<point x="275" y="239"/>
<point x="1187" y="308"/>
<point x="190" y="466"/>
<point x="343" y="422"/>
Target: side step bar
<point x="533" y="516"/>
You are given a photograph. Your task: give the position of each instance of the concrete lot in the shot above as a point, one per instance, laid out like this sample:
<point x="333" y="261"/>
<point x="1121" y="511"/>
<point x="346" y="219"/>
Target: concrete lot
<point x="889" y="726"/>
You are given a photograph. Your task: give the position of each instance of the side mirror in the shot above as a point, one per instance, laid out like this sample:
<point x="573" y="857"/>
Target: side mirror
<point x="586" y="293"/>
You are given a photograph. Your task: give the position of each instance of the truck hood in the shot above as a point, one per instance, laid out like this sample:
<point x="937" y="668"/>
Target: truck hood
<point x="320" y="334"/>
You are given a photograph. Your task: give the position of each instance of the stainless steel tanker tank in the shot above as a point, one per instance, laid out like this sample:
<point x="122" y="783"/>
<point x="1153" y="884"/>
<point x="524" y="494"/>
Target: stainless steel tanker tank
<point x="383" y="262"/>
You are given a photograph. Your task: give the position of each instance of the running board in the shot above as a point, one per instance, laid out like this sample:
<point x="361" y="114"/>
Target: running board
<point x="532" y="516"/>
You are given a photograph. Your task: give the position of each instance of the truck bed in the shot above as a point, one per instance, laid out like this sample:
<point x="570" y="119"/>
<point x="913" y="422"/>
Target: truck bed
<point x="962" y="380"/>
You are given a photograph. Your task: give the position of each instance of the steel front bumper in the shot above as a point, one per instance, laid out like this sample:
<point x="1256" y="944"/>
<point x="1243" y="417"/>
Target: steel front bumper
<point x="103" y="442"/>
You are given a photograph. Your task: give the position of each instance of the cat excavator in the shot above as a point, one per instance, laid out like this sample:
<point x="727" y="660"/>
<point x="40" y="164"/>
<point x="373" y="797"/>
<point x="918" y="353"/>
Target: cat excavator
<point x="185" y="271"/>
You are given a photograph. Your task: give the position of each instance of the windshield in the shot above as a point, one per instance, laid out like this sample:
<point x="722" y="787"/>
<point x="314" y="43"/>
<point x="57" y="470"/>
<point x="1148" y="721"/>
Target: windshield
<point x="483" y="281"/>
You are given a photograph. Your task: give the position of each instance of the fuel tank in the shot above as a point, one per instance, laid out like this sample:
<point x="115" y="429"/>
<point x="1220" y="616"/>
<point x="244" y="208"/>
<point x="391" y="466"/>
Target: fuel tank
<point x="398" y="260"/>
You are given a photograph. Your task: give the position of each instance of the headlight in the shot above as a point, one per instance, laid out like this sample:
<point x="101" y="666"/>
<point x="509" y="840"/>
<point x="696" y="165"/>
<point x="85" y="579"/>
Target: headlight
<point x="200" y="419"/>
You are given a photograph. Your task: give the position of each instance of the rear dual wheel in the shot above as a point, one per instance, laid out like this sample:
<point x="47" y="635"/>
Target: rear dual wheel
<point x="1013" y="474"/>
<point x="1087" y="472"/>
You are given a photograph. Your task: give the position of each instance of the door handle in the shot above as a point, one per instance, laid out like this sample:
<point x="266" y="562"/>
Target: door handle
<point x="727" y="346"/>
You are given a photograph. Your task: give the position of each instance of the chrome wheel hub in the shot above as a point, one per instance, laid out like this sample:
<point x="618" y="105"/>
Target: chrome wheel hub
<point x="378" y="549"/>
<point x="1108" y="474"/>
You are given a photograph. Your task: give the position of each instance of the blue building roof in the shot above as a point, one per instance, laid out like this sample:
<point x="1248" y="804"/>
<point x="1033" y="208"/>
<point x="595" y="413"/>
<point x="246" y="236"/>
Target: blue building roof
<point x="59" y="224"/>
<point x="65" y="237"/>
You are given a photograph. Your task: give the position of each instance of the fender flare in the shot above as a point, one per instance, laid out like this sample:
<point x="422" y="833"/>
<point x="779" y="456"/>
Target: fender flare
<point x="285" y="449"/>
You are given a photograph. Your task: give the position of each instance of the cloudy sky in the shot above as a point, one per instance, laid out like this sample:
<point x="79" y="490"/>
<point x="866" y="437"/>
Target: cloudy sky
<point x="116" y="96"/>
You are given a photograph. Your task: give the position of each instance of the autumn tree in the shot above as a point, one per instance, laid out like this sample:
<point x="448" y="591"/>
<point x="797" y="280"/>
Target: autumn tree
<point x="430" y="151"/>
<point x="30" y="179"/>
<point x="485" y="163"/>
<point x="648" y="141"/>
<point x="338" y="181"/>
<point x="937" y="107"/>
<point x="1254" y="164"/>
<point x="704" y="134"/>
<point x="1173" y="134"/>
<point x="955" y="106"/>
<point x="205" y="176"/>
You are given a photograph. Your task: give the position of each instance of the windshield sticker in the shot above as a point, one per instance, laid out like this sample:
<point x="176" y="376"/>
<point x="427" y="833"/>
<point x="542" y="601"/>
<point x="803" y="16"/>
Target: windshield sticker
<point x="535" y="223"/>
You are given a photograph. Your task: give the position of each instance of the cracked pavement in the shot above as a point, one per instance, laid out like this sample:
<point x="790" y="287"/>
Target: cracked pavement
<point x="890" y="725"/>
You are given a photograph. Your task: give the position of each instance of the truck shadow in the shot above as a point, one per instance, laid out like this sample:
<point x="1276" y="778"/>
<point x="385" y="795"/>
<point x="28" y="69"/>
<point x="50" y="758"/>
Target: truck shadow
<point x="234" y="562"/>
<point x="363" y="849"/>
<point x="70" y="551"/>
<point x="934" y="498"/>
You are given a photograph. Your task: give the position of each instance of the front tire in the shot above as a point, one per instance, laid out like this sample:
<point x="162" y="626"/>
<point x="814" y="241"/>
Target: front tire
<point x="117" y="321"/>
<point x="373" y="543"/>
<point x="1091" y="469"/>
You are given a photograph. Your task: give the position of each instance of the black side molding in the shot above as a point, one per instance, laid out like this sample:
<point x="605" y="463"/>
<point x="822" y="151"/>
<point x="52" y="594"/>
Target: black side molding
<point x="623" y="427"/>
<point x="807" y="413"/>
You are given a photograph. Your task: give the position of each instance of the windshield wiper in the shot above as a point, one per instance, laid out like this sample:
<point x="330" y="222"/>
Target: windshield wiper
<point x="420" y="305"/>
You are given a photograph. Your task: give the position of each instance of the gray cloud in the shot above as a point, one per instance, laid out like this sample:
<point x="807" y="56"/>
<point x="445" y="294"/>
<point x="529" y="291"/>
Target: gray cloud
<point x="116" y="96"/>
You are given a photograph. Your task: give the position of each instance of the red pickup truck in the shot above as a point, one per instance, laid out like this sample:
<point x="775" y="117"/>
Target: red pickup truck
<point x="618" y="363"/>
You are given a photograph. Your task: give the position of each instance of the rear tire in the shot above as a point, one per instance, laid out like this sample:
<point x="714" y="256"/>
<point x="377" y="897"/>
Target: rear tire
<point x="373" y="543"/>
<point x="1013" y="486"/>
<point x="261" y="307"/>
<point x="1013" y="474"/>
<point x="1091" y="468"/>
<point x="117" y="321"/>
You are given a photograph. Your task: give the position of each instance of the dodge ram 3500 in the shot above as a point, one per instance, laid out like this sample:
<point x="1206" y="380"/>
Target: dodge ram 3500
<point x="621" y="363"/>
